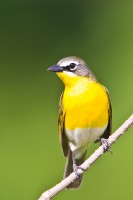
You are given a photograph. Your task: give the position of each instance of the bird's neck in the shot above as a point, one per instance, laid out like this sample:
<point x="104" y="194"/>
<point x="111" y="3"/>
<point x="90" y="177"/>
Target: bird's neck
<point x="70" y="81"/>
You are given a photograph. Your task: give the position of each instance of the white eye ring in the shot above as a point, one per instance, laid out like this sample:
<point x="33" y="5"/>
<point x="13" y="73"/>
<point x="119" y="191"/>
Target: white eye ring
<point x="72" y="66"/>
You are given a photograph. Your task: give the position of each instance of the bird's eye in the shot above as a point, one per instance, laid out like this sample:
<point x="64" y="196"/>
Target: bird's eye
<point x="72" y="66"/>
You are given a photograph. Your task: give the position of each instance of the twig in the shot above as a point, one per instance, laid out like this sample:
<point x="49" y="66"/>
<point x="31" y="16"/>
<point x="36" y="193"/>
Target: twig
<point x="47" y="195"/>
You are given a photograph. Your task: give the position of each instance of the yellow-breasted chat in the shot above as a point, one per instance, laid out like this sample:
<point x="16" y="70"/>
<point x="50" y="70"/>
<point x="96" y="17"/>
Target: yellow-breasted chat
<point x="84" y="112"/>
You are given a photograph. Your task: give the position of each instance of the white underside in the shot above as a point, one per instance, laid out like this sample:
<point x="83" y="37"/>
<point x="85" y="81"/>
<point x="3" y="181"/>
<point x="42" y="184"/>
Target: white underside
<point x="80" y="138"/>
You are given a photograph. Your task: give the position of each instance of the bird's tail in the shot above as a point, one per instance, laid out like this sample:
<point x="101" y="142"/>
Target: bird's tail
<point x="69" y="169"/>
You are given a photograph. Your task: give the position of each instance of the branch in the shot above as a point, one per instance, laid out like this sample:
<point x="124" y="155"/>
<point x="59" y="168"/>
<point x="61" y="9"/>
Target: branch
<point x="47" y="195"/>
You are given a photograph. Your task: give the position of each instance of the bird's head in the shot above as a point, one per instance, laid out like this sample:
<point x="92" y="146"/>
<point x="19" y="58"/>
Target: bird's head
<point x="70" y="68"/>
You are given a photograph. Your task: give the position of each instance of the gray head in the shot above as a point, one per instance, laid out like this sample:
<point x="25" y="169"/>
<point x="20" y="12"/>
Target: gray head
<point x="74" y="66"/>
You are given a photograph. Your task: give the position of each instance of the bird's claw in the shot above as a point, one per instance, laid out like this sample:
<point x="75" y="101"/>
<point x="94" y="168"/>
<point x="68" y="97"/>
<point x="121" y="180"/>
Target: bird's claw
<point x="106" y="145"/>
<point x="75" y="169"/>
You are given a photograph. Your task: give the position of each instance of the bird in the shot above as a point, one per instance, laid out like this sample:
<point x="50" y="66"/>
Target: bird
<point x="85" y="113"/>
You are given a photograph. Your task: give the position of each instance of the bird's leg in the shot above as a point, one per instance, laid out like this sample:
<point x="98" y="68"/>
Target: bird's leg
<point x="105" y="145"/>
<point x="75" y="167"/>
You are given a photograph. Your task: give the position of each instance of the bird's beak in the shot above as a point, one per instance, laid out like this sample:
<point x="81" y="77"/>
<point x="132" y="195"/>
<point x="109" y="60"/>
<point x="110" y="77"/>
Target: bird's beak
<point x="55" y="68"/>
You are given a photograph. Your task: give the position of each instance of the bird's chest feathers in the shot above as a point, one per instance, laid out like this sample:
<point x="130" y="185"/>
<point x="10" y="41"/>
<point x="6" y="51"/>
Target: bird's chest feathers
<point x="85" y="104"/>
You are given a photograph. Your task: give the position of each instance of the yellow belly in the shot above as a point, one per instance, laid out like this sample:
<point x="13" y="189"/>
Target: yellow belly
<point x="85" y="105"/>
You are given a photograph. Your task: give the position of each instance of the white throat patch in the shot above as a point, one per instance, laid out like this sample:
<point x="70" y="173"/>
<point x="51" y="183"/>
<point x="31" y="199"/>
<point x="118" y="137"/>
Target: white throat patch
<point x="69" y="73"/>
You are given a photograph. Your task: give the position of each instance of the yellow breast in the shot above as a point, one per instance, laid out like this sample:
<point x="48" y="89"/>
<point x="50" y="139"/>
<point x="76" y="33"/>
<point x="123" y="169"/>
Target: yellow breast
<point x="85" y="104"/>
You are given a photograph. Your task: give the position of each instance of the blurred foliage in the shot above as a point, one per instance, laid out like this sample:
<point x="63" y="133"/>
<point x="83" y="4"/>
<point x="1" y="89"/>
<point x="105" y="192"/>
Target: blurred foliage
<point x="33" y="36"/>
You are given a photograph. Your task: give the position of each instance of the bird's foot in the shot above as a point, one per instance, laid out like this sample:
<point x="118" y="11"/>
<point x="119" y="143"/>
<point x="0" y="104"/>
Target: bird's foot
<point x="105" y="144"/>
<point x="75" y="169"/>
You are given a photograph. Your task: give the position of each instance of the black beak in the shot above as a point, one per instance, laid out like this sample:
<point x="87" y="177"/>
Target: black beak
<point x="55" y="68"/>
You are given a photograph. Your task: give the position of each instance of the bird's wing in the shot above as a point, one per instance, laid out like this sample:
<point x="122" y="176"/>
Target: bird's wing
<point x="108" y="130"/>
<point x="61" y="128"/>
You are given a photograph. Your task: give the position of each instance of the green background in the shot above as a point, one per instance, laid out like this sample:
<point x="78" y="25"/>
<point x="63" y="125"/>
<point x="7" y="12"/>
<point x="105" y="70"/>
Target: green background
<point x="33" y="36"/>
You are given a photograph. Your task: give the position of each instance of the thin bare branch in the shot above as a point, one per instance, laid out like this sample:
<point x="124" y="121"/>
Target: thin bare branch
<point x="47" y="195"/>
